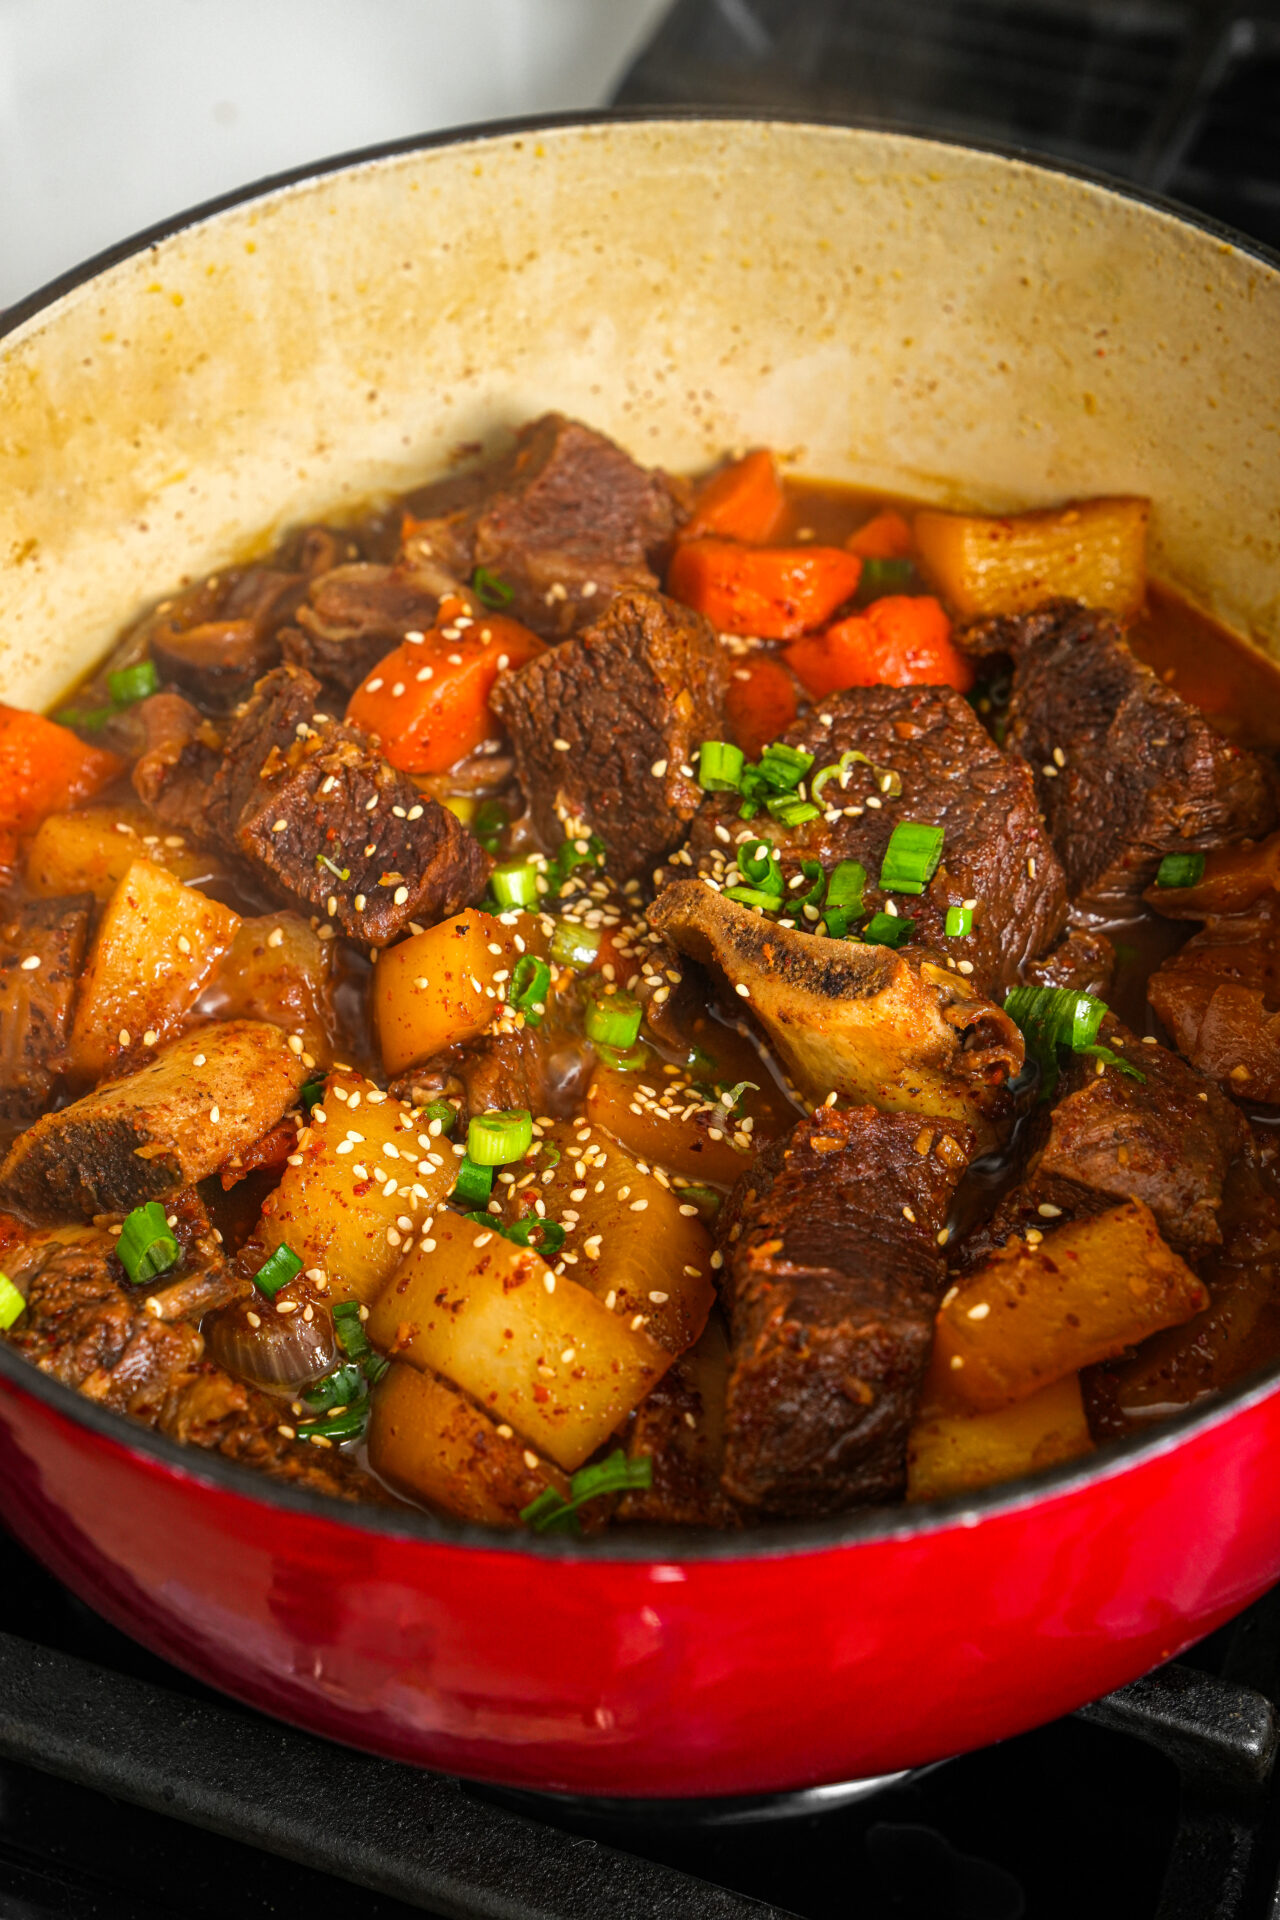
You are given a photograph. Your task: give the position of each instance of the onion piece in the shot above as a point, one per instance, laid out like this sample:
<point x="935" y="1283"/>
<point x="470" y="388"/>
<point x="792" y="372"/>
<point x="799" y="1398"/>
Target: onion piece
<point x="283" y="1350"/>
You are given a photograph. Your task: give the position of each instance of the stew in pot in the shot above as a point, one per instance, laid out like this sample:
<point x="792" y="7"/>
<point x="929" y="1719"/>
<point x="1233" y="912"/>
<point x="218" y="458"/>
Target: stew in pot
<point x="583" y="998"/>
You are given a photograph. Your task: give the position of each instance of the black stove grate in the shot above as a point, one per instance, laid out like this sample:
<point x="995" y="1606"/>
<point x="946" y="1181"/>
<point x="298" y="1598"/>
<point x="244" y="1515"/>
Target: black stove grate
<point x="129" y="1792"/>
<point x="1182" y="96"/>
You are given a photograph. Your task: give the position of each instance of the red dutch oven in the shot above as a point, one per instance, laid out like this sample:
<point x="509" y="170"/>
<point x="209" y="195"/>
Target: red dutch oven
<point x="953" y="323"/>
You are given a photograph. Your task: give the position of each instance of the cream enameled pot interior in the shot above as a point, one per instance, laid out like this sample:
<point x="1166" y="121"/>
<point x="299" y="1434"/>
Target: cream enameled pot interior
<point x="879" y="308"/>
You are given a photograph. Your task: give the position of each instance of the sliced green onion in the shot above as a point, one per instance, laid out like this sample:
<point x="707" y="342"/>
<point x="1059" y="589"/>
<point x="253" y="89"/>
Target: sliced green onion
<point x="547" y="1236"/>
<point x="792" y="811"/>
<point x="348" y="1425"/>
<point x="887" y="930"/>
<point x="782" y="767"/>
<point x="341" y="873"/>
<point x="442" y="1110"/>
<point x="1180" y="870"/>
<point x="836" y="921"/>
<point x="552" y="1513"/>
<point x="755" y="897"/>
<point x="131" y="684"/>
<point x="88" y="719"/>
<point x="490" y="591"/>
<point x="958" y="923"/>
<point x="879" y="577"/>
<point x="146" y="1246"/>
<point x="575" y="946"/>
<point x="530" y="984"/>
<point x="1054" y="1017"/>
<point x="515" y="884"/>
<point x="613" y="1019"/>
<point x="845" y="887"/>
<point x="632" y="1062"/>
<point x="277" y="1272"/>
<point x="886" y="779"/>
<point x="705" y="1199"/>
<point x="11" y="1303"/>
<point x="814" y="872"/>
<point x="569" y="858"/>
<point x="911" y="857"/>
<point x="489" y="822"/>
<point x="474" y="1185"/>
<point x="311" y="1093"/>
<point x="354" y="1341"/>
<point x="339" y="1388"/>
<point x="760" y="867"/>
<point x="731" y="1098"/>
<point x="720" y="766"/>
<point x="499" y="1138"/>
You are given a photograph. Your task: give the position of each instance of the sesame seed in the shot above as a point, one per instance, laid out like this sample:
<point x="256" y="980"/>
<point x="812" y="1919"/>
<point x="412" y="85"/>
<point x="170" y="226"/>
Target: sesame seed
<point x="688" y="1209"/>
<point x="150" y="1037"/>
<point x="964" y="966"/>
<point x="661" y="1299"/>
<point x="375" y="685"/>
<point x="414" y="813"/>
<point x="400" y="895"/>
<point x="957" y="1361"/>
<point x="331" y="905"/>
<point x="184" y="945"/>
<point x="294" y="1043"/>
<point x="530" y="1458"/>
<point x="561" y="746"/>
<point x="278" y="826"/>
<point x="1033" y="1236"/>
<point x="123" y="1036"/>
<point x="1031" y="869"/>
<point x="658" y="768"/>
<point x="943" y="1235"/>
<point x="907" y="1214"/>
<point x="743" y="989"/>
<point x="1059" y="757"/>
<point x="31" y="962"/>
<point x="1149" y="1040"/>
<point x="361" y="900"/>
<point x="215" y="1114"/>
<point x="199" y="1060"/>
<point x="981" y="1311"/>
<point x="1048" y="1212"/>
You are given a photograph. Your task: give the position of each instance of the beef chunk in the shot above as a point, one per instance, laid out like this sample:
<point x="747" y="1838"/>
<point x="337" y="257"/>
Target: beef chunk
<point x="1219" y="997"/>
<point x="1083" y="960"/>
<point x="215" y="641"/>
<point x="200" y="1100"/>
<point x="1167" y="1140"/>
<point x="179" y="758"/>
<point x="831" y="1285"/>
<point x="953" y="775"/>
<point x="605" y="728"/>
<point x="42" y="949"/>
<point x="566" y="520"/>
<point x="354" y="832"/>
<point x="355" y="615"/>
<point x="679" y="1427"/>
<point x="85" y="1326"/>
<point x="1126" y="771"/>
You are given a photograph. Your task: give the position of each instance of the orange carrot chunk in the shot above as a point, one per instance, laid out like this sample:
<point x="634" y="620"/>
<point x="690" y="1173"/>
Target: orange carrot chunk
<point x="428" y="701"/>
<point x="886" y="536"/>
<point x="44" y="768"/>
<point x="900" y="641"/>
<point x="776" y="593"/>
<point x="760" y="703"/>
<point x="744" y="501"/>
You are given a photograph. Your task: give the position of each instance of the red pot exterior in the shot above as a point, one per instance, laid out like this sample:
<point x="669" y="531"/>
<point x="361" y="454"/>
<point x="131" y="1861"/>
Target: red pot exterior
<point x="723" y="1675"/>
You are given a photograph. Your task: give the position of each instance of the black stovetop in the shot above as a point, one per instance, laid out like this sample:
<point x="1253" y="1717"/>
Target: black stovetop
<point x="129" y="1792"/>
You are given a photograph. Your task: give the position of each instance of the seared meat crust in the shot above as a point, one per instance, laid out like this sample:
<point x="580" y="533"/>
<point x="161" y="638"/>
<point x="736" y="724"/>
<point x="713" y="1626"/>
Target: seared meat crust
<point x="1137" y="772"/>
<point x="606" y="728"/>
<point x="831" y="1284"/>
<point x="996" y="851"/>
<point x="36" y="1001"/>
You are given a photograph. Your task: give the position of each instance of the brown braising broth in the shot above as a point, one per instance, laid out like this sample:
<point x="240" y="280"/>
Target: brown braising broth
<point x="1233" y="683"/>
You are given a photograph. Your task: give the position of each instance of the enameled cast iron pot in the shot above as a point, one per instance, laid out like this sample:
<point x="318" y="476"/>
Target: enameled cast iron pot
<point x="952" y="323"/>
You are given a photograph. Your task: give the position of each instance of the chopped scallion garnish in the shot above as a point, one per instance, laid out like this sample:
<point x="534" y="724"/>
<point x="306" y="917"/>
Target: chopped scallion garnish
<point x="489" y="822"/>
<point x="310" y="1093"/>
<point x="958" y="923"/>
<point x="1180" y="870"/>
<point x="490" y="591"/>
<point x="515" y="884"/>
<point x="782" y="767"/>
<point x="792" y="811"/>
<point x="130" y="684"/>
<point x="911" y="857"/>
<point x="613" y="1019"/>
<point x="146" y="1246"/>
<point x="530" y="984"/>
<point x="354" y="1341"/>
<point x="632" y="1062"/>
<point x="278" y="1271"/>
<point x="845" y="887"/>
<point x="339" y="1388"/>
<point x="1054" y="1017"/>
<point x="575" y="946"/>
<point x="720" y="766"/>
<point x="442" y="1110"/>
<point x="499" y="1138"/>
<point x="348" y="1425"/>
<point x="887" y="930"/>
<point x="879" y="577"/>
<point x="760" y="867"/>
<point x="340" y="873"/>
<point x="886" y="779"/>
<point x="552" y="1513"/>
<point x="545" y="1236"/>
<point x="12" y="1303"/>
